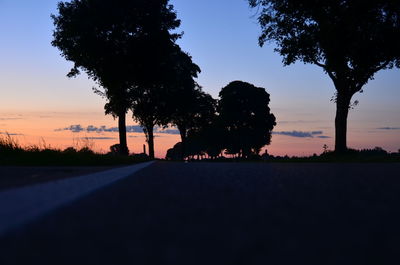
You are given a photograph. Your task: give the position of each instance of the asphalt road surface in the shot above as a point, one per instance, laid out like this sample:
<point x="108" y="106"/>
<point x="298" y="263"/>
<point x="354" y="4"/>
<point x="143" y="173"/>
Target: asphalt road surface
<point x="224" y="213"/>
<point x="14" y="176"/>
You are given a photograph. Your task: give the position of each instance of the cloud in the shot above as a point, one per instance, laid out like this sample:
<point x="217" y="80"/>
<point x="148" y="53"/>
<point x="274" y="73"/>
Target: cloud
<point x="167" y="131"/>
<point x="317" y="132"/>
<point x="11" y="134"/>
<point x="103" y="129"/>
<point x="73" y="128"/>
<point x="301" y="121"/>
<point x="300" y="134"/>
<point x="10" y="119"/>
<point x="98" y="138"/>
<point x="324" y="137"/>
<point x="388" y="128"/>
<point x="133" y="129"/>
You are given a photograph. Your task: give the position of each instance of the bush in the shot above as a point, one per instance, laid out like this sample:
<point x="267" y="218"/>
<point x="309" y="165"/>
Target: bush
<point x="70" y="150"/>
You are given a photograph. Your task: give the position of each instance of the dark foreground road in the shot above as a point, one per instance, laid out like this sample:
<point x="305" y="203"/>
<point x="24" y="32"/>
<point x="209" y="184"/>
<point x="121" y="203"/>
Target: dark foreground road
<point x="14" y="176"/>
<point x="183" y="214"/>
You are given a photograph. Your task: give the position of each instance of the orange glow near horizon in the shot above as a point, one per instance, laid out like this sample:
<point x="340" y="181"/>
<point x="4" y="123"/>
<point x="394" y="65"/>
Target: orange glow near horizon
<point x="45" y="129"/>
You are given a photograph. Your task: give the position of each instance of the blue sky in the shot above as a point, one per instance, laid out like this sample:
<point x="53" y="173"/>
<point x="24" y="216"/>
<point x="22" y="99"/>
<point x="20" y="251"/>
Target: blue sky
<point x="222" y="37"/>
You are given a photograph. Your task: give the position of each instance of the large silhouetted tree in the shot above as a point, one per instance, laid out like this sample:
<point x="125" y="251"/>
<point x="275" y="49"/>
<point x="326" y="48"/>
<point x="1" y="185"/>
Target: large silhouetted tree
<point x="149" y="110"/>
<point x="350" y="40"/>
<point x="116" y="43"/>
<point x="148" y="116"/>
<point x="214" y="138"/>
<point x="185" y="95"/>
<point x="245" y="115"/>
<point x="165" y="90"/>
<point x="194" y="111"/>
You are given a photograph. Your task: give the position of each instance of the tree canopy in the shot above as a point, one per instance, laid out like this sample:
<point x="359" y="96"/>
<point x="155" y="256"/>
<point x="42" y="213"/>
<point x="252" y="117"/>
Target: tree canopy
<point x="166" y="93"/>
<point x="246" y="117"/>
<point x="117" y="44"/>
<point x="350" y="40"/>
<point x="240" y="122"/>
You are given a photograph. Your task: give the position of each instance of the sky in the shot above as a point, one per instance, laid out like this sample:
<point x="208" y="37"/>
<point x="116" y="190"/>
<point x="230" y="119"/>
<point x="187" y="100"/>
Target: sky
<point x="39" y="105"/>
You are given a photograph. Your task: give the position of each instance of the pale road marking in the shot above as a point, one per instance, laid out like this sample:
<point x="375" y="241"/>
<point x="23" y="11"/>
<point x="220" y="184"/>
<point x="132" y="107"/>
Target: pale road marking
<point x="23" y="205"/>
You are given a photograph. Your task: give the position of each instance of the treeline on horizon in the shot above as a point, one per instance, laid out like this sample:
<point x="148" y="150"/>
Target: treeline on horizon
<point x="81" y="154"/>
<point x="128" y="47"/>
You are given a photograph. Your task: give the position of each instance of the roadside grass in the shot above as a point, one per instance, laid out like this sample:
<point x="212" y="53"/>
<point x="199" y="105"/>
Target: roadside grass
<point x="375" y="155"/>
<point x="353" y="156"/>
<point x="14" y="154"/>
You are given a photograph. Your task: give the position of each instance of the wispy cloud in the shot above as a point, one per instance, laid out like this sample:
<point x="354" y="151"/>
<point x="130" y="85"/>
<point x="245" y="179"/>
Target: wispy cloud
<point x="167" y="131"/>
<point x="301" y="121"/>
<point x="301" y="134"/>
<point x="104" y="129"/>
<point x="10" y="119"/>
<point x="11" y="134"/>
<point x="72" y="128"/>
<point x="99" y="138"/>
<point x="388" y="128"/>
<point x="101" y="129"/>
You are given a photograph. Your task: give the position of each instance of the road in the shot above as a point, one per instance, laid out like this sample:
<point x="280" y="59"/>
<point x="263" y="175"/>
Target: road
<point x="17" y="176"/>
<point x="224" y="213"/>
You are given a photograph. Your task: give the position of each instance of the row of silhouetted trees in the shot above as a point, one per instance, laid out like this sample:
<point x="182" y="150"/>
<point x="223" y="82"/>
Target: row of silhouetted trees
<point x="129" y="49"/>
<point x="239" y="123"/>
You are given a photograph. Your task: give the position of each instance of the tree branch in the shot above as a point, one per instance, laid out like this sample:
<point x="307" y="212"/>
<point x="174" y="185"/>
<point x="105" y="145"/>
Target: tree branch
<point x="331" y="75"/>
<point x="320" y="64"/>
<point x="364" y="80"/>
<point x="383" y="66"/>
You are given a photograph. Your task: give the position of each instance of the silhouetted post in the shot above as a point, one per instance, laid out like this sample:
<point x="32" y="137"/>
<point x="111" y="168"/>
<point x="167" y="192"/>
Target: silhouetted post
<point x="144" y="149"/>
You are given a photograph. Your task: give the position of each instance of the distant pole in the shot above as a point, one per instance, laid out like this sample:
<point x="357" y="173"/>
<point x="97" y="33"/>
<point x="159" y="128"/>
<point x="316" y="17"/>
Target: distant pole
<point x="144" y="149"/>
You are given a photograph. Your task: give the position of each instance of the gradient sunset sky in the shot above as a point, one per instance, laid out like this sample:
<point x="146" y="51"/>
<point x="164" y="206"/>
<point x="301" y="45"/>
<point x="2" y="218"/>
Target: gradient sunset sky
<point x="40" y="105"/>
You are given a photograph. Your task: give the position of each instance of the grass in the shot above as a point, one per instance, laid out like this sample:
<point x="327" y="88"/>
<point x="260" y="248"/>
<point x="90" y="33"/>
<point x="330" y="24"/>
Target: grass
<point x="12" y="153"/>
<point x="376" y="155"/>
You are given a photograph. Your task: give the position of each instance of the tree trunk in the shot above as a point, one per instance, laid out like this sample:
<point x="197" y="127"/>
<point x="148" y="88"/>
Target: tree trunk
<point x="342" y="111"/>
<point x="182" y="131"/>
<point x="122" y="134"/>
<point x="150" y="141"/>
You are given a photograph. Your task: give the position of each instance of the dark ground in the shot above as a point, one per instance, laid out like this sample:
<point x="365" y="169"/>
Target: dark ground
<point x="13" y="176"/>
<point x="225" y="213"/>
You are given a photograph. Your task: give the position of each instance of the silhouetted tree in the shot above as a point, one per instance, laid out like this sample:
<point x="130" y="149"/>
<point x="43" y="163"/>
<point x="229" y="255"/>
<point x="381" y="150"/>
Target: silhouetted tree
<point x="350" y="40"/>
<point x="113" y="43"/>
<point x="169" y="85"/>
<point x="195" y="145"/>
<point x="194" y="111"/>
<point x="184" y="95"/>
<point x="214" y="138"/>
<point x="149" y="111"/>
<point x="245" y="115"/>
<point x="174" y="153"/>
